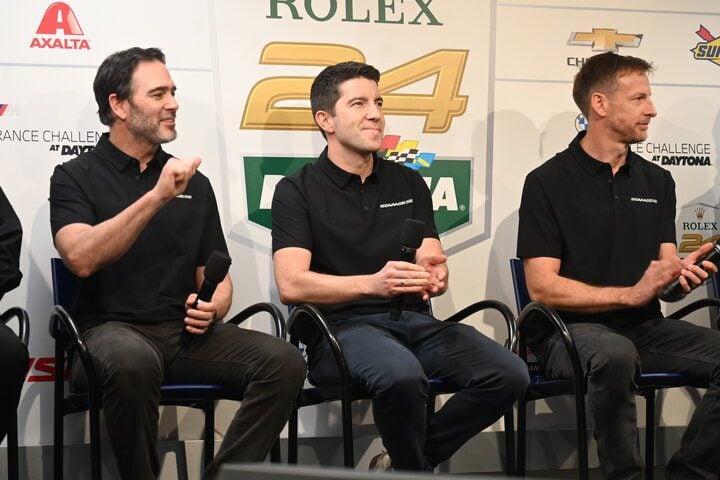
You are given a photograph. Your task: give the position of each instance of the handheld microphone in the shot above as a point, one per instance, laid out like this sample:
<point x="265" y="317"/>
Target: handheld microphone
<point x="216" y="268"/>
<point x="410" y="240"/>
<point x="673" y="291"/>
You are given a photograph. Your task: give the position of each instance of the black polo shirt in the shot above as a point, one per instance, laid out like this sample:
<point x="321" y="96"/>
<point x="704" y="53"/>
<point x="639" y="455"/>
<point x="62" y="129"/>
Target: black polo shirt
<point x="351" y="228"/>
<point x="10" y="243"/>
<point x="605" y="229"/>
<point x="150" y="282"/>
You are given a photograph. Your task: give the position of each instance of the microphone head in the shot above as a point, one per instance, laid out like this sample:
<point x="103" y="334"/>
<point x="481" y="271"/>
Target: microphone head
<point x="413" y="233"/>
<point x="217" y="266"/>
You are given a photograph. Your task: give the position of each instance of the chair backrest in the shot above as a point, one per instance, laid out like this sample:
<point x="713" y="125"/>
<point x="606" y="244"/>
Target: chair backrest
<point x="522" y="296"/>
<point x="65" y="284"/>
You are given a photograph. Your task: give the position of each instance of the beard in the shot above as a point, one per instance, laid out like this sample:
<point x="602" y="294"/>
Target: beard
<point x="144" y="127"/>
<point x="627" y="134"/>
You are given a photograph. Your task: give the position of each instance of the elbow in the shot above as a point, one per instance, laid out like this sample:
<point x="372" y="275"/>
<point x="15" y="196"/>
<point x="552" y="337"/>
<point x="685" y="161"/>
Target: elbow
<point x="80" y="267"/>
<point x="288" y="297"/>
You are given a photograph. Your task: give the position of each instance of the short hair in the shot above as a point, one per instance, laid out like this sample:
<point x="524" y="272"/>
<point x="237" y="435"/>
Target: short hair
<point x="600" y="73"/>
<point x="115" y="76"/>
<point x="325" y="90"/>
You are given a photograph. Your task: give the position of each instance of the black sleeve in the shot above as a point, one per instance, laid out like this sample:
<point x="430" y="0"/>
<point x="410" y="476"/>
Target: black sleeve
<point x="213" y="238"/>
<point x="68" y="201"/>
<point x="538" y="232"/>
<point x="290" y="217"/>
<point x="10" y="243"/>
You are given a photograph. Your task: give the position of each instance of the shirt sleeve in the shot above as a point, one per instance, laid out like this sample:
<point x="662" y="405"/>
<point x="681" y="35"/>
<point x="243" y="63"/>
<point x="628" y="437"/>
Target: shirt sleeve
<point x="68" y="201"/>
<point x="213" y="237"/>
<point x="538" y="231"/>
<point x="10" y="243"/>
<point x="668" y="235"/>
<point x="290" y="217"/>
<point x="423" y="205"/>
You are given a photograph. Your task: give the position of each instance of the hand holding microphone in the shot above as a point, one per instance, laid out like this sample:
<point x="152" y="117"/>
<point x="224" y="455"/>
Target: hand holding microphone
<point x="674" y="291"/>
<point x="216" y="268"/>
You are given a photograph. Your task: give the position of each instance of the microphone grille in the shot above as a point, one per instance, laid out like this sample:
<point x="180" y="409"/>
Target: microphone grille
<point x="413" y="233"/>
<point x="217" y="266"/>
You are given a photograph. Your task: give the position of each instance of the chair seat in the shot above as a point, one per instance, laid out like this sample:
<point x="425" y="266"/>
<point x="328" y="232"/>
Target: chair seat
<point x="316" y="395"/>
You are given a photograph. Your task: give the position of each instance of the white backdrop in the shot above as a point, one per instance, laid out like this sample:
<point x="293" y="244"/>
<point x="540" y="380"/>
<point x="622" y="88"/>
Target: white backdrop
<point x="484" y="85"/>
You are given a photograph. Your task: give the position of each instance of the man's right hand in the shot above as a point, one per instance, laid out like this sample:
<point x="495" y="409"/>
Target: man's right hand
<point x="658" y="274"/>
<point x="397" y="278"/>
<point x="175" y="176"/>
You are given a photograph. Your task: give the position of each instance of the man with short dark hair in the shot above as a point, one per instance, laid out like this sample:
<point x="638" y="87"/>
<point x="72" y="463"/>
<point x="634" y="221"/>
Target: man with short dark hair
<point x="597" y="238"/>
<point x="13" y="354"/>
<point x="137" y="225"/>
<point x="336" y="242"/>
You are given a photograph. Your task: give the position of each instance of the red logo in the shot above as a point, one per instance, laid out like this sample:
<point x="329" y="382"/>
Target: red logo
<point x="61" y="23"/>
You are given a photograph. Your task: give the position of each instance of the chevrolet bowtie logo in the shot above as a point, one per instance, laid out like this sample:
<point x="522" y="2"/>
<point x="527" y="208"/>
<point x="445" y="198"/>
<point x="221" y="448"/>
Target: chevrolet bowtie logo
<point x="605" y="39"/>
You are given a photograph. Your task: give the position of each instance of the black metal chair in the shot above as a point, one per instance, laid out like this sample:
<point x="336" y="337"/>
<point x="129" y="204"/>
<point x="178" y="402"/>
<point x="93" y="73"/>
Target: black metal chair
<point x="68" y="339"/>
<point x="23" y="331"/>
<point x="346" y="392"/>
<point x="648" y="383"/>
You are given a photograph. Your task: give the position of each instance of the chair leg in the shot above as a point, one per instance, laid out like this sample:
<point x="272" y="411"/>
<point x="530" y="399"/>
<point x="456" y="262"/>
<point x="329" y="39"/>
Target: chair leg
<point x="649" y="433"/>
<point x="58" y="417"/>
<point x="583" y="468"/>
<point x="348" y="449"/>
<point x="521" y="436"/>
<point x="510" y="461"/>
<point x="209" y="434"/>
<point x="293" y="437"/>
<point x="95" y="451"/>
<point x="12" y="448"/>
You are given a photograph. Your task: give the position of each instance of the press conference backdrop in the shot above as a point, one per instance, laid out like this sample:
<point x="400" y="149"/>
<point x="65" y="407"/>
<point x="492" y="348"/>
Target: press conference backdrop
<point x="477" y="91"/>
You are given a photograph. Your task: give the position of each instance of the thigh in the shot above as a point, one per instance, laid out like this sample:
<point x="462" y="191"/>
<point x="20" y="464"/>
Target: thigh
<point x="667" y="344"/>
<point x="117" y="348"/>
<point x="227" y="355"/>
<point x="375" y="357"/>
<point x="596" y="344"/>
<point x="458" y="353"/>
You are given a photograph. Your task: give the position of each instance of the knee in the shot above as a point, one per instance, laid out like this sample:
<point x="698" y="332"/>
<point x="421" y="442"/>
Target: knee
<point x="285" y="364"/>
<point x="617" y="358"/>
<point x="508" y="380"/>
<point x="516" y="378"/>
<point x="408" y="386"/>
<point x="14" y="361"/>
<point x="133" y="373"/>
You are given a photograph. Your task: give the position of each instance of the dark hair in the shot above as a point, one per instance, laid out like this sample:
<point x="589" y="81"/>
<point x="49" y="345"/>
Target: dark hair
<point x="600" y="73"/>
<point x="115" y="76"/>
<point x="325" y="90"/>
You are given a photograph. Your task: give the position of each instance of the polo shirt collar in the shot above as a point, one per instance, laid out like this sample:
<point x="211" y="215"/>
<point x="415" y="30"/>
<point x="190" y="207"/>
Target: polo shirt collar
<point x="119" y="159"/>
<point x="339" y="176"/>
<point x="590" y="164"/>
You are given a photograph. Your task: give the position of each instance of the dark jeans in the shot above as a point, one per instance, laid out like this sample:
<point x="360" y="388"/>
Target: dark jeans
<point x="132" y="361"/>
<point x="613" y="357"/>
<point x="393" y="360"/>
<point x="13" y="365"/>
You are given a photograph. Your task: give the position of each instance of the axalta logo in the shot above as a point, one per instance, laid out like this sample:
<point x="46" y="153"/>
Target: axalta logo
<point x="709" y="49"/>
<point x="59" y="28"/>
<point x="447" y="179"/>
<point x="697" y="224"/>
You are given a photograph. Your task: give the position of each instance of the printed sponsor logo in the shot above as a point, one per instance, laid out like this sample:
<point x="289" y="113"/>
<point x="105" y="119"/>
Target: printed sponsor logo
<point x="416" y="12"/>
<point x="709" y="49"/>
<point x="60" y="29"/>
<point x="601" y="40"/>
<point x="679" y="154"/>
<point x="698" y="224"/>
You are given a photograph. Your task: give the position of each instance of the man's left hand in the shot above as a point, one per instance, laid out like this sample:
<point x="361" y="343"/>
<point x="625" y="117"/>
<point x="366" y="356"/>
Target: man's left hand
<point x="436" y="266"/>
<point x="692" y="276"/>
<point x="198" y="319"/>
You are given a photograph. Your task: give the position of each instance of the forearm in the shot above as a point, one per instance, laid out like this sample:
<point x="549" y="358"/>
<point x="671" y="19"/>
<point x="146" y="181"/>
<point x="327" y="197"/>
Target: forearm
<point x="574" y="296"/>
<point x="222" y="298"/>
<point x="322" y="289"/>
<point x="86" y="249"/>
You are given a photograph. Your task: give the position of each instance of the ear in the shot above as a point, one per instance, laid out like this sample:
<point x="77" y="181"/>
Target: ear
<point x="599" y="103"/>
<point x="325" y="121"/>
<point x="118" y="107"/>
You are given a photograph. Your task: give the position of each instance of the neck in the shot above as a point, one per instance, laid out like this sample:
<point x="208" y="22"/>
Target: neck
<point x="139" y="149"/>
<point x="360" y="164"/>
<point x="601" y="147"/>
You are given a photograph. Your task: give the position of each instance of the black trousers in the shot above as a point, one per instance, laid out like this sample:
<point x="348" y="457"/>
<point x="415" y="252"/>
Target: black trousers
<point x="613" y="357"/>
<point x="13" y="366"/>
<point x="132" y="361"/>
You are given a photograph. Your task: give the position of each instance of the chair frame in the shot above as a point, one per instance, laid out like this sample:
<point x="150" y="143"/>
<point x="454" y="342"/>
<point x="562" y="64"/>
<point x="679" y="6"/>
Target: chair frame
<point x="648" y="383"/>
<point x="199" y="396"/>
<point x="12" y="435"/>
<point x="346" y="392"/>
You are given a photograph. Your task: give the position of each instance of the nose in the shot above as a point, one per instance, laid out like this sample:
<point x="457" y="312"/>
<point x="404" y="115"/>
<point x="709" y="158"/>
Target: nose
<point x="374" y="112"/>
<point x="172" y="103"/>
<point x="651" y="110"/>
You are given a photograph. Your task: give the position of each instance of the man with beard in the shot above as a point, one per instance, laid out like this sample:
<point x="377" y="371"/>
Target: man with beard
<point x="137" y="225"/>
<point x="597" y="238"/>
